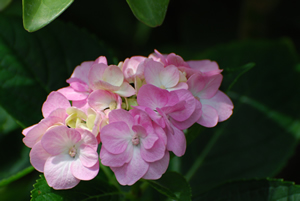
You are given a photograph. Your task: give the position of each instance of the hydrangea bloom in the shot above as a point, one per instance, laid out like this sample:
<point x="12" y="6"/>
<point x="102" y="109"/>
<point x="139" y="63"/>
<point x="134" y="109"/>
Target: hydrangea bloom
<point x="66" y="156"/>
<point x="137" y="110"/>
<point x="133" y="147"/>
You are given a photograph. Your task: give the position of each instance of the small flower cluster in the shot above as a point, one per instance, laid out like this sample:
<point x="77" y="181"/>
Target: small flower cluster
<point x="136" y="110"/>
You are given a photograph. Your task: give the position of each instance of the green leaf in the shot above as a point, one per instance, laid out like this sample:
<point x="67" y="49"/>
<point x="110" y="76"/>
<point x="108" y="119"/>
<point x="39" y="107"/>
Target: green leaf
<point x="15" y="157"/>
<point x="34" y="64"/>
<point x="95" y="189"/>
<point x="4" y="4"/>
<point x="150" y="12"/>
<point x="253" y="190"/>
<point x="7" y="123"/>
<point x="262" y="133"/>
<point x="39" y="13"/>
<point x="173" y="185"/>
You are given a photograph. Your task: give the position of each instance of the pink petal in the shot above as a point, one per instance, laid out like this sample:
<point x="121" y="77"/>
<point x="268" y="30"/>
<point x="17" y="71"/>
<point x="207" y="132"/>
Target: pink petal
<point x="38" y="156"/>
<point x="82" y="172"/>
<point x="209" y="117"/>
<point x="176" y="142"/>
<point x="152" y="71"/>
<point x="36" y="133"/>
<point x="131" y="172"/>
<point x="176" y="60"/>
<point x="181" y="125"/>
<point x="157" y="168"/>
<point x="58" y="173"/>
<point x="95" y="75"/>
<point x="116" y="160"/>
<point x="101" y="99"/>
<point x="71" y="94"/>
<point x="203" y="65"/>
<point x="60" y="139"/>
<point x="131" y="68"/>
<point x="121" y="115"/>
<point x="152" y="97"/>
<point x="54" y="100"/>
<point x="78" y="85"/>
<point x="88" y="138"/>
<point x="155" y="153"/>
<point x="101" y="59"/>
<point x="113" y="75"/>
<point x="189" y="105"/>
<point x="180" y="85"/>
<point x="221" y="103"/>
<point x="211" y="85"/>
<point x="26" y="130"/>
<point x="169" y="76"/>
<point x="88" y="156"/>
<point x="115" y="137"/>
<point x="125" y="90"/>
<point x="81" y="72"/>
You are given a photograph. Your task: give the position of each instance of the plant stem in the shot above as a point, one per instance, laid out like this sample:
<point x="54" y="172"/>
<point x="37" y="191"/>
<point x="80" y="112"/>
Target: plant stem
<point x="204" y="153"/>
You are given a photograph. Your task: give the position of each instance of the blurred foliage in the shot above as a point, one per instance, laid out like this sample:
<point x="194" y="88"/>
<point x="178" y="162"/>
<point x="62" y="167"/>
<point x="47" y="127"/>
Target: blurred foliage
<point x="260" y="139"/>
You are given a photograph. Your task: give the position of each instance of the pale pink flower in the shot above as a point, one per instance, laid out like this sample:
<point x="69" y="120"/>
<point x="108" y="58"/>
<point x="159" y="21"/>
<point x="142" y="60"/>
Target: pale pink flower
<point x="110" y="78"/>
<point x="66" y="156"/>
<point x="79" y="90"/>
<point x="174" y="111"/>
<point x="163" y="77"/>
<point x="133" y="67"/>
<point x="216" y="105"/>
<point x="133" y="146"/>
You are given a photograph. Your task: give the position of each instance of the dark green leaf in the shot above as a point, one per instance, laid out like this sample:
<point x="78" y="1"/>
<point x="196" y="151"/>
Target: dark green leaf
<point x="173" y="185"/>
<point x="253" y="190"/>
<point x="95" y="189"/>
<point x="150" y="12"/>
<point x="15" y="157"/>
<point x="4" y="4"/>
<point x="39" y="13"/>
<point x="7" y="123"/>
<point x="33" y="64"/>
<point x="262" y="133"/>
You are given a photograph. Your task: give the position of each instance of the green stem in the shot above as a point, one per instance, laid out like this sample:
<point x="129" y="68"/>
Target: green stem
<point x="204" y="153"/>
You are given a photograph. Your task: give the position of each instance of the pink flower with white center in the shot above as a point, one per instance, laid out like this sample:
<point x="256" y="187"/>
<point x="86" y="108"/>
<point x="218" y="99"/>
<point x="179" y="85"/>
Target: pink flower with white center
<point x="79" y="89"/>
<point x="66" y="156"/>
<point x="163" y="77"/>
<point x="216" y="105"/>
<point x="174" y="111"/>
<point x="133" y="68"/>
<point x="110" y="78"/>
<point x="133" y="147"/>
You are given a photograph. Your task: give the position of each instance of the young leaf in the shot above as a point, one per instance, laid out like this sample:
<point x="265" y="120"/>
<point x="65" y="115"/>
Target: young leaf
<point x="253" y="190"/>
<point x="39" y="13"/>
<point x="262" y="133"/>
<point x="150" y="12"/>
<point x="172" y="185"/>
<point x="33" y="64"/>
<point x="95" y="189"/>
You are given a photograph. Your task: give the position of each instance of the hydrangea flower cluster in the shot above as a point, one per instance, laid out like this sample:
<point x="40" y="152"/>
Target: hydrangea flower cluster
<point x="136" y="110"/>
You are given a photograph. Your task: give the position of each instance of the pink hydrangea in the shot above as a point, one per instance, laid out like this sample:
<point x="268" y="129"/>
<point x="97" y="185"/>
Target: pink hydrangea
<point x="66" y="156"/>
<point x="133" y="146"/>
<point x="174" y="111"/>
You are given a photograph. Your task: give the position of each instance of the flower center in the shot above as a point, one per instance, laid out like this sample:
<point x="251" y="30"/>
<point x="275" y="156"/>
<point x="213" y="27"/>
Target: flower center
<point x="72" y="152"/>
<point x="112" y="105"/>
<point x="135" y="139"/>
